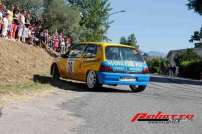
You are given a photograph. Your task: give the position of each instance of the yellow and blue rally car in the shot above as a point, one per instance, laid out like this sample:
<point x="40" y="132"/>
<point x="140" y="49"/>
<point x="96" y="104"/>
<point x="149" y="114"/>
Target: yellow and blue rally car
<point x="100" y="64"/>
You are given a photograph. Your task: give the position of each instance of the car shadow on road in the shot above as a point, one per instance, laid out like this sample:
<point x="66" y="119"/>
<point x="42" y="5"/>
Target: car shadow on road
<point x="174" y="80"/>
<point x="73" y="86"/>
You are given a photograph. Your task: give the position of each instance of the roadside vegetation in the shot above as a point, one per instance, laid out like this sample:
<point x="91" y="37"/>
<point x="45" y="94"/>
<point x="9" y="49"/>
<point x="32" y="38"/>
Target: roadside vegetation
<point x="158" y="65"/>
<point x="190" y="64"/>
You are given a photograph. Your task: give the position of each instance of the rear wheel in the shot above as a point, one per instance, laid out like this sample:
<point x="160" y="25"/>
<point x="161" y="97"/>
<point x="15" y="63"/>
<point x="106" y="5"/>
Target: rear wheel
<point x="55" y="73"/>
<point x="92" y="80"/>
<point x="137" y="88"/>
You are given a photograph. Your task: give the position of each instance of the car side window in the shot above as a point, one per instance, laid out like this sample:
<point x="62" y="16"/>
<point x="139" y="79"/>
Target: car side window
<point x="76" y="51"/>
<point x="90" y="51"/>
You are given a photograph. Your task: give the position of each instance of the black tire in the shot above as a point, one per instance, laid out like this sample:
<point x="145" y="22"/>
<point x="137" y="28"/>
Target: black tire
<point x="92" y="81"/>
<point x="137" y="88"/>
<point x="55" y="73"/>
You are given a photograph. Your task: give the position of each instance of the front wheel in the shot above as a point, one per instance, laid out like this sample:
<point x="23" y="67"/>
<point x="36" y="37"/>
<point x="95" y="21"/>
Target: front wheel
<point x="137" y="88"/>
<point x="92" y="80"/>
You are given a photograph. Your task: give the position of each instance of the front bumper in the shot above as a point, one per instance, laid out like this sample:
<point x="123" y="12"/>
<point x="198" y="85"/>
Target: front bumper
<point x="107" y="78"/>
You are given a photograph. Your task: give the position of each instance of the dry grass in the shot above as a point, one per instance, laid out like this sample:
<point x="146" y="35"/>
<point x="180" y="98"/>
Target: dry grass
<point x="19" y="62"/>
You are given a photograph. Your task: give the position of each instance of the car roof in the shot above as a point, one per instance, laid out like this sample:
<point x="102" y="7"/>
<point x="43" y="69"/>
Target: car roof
<point x="106" y="44"/>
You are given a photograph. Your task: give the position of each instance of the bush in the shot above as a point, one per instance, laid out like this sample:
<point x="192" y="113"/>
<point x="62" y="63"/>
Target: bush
<point x="191" y="69"/>
<point x="157" y="65"/>
<point x="190" y="64"/>
<point x="188" y="55"/>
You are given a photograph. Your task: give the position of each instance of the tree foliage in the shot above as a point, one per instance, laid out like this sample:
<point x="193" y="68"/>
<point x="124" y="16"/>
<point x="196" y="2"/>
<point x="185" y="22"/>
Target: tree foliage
<point x="94" y="17"/>
<point x="157" y="65"/>
<point x="86" y="20"/>
<point x="197" y="39"/>
<point x="188" y="55"/>
<point x="131" y="40"/>
<point x="196" y="5"/>
<point x="34" y="6"/>
<point x="59" y="16"/>
<point x="189" y="64"/>
<point x="123" y="40"/>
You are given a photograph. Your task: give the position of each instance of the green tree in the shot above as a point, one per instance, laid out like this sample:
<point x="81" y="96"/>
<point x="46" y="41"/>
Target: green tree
<point x="123" y="40"/>
<point x="131" y="40"/>
<point x="188" y="55"/>
<point x="34" y="6"/>
<point x="197" y="38"/>
<point x="94" y="18"/>
<point x="196" y="5"/>
<point x="59" y="16"/>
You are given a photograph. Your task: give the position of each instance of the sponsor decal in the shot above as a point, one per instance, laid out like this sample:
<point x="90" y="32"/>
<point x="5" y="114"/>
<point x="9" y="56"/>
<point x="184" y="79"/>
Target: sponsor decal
<point x="161" y="117"/>
<point x="126" y="65"/>
<point x="70" y="66"/>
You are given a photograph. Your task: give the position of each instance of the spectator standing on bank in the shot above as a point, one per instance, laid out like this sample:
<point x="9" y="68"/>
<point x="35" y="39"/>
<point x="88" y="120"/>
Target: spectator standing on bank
<point x="25" y="33"/>
<point x="27" y="17"/>
<point x="21" y="25"/>
<point x="14" y="28"/>
<point x="1" y="17"/>
<point x="16" y="11"/>
<point x="5" y="26"/>
<point x="56" y="42"/>
<point x="68" y="42"/>
<point x="10" y="23"/>
<point x="15" y="21"/>
<point x="63" y="46"/>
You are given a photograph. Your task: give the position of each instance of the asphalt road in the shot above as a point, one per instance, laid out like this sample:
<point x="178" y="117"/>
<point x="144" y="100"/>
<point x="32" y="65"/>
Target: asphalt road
<point x="73" y="109"/>
<point x="109" y="111"/>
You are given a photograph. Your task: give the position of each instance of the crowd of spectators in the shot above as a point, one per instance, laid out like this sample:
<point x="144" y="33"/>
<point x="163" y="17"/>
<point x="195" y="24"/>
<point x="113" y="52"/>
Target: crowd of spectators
<point x="16" y="25"/>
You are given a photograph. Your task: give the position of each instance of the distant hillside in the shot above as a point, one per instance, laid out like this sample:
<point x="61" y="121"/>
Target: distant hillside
<point x="19" y="62"/>
<point x="155" y="54"/>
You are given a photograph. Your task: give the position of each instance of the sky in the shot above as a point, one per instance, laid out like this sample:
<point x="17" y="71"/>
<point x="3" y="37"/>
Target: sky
<point x="159" y="25"/>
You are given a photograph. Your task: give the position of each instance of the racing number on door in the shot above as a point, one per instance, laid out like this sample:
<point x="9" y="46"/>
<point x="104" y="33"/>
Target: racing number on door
<point x="70" y="66"/>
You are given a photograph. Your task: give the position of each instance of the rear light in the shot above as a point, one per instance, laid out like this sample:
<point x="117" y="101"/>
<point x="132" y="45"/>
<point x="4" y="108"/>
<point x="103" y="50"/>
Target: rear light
<point x="104" y="68"/>
<point x="146" y="70"/>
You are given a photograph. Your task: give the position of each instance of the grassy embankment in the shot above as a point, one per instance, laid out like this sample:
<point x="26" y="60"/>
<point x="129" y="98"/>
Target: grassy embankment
<point x="18" y="64"/>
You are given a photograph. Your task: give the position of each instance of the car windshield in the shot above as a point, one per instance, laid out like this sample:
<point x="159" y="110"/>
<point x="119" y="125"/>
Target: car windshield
<point x="123" y="53"/>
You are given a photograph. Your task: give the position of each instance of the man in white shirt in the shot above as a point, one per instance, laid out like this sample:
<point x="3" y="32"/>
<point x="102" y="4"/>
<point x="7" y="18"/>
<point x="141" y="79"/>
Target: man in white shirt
<point x="21" y="26"/>
<point x="5" y="26"/>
